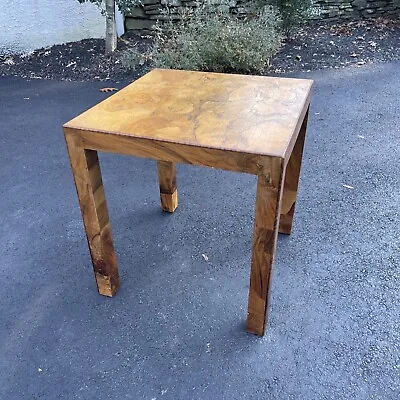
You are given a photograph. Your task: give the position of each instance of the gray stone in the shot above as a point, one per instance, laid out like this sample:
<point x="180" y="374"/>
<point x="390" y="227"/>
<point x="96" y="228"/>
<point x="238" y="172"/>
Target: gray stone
<point x="334" y="13"/>
<point x="138" y="23"/>
<point x="171" y="3"/>
<point x="153" y="12"/>
<point x="137" y="12"/>
<point x="327" y="9"/>
<point x="378" y="4"/>
<point x="360" y="4"/>
<point x="161" y="17"/>
<point x="152" y="7"/>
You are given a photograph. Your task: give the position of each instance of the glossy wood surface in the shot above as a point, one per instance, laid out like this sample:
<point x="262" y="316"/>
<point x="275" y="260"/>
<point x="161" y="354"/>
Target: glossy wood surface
<point x="238" y="123"/>
<point x="86" y="169"/>
<point x="292" y="181"/>
<point x="173" y="152"/>
<point x="249" y="114"/>
<point x="266" y="223"/>
<point x="167" y="181"/>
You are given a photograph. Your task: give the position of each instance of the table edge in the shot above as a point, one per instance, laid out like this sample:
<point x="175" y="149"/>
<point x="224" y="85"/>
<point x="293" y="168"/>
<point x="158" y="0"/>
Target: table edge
<point x="172" y="142"/>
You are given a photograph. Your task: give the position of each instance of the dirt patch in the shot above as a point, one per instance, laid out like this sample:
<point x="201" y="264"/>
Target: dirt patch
<point x="340" y="45"/>
<point x="76" y="61"/>
<point x="320" y="45"/>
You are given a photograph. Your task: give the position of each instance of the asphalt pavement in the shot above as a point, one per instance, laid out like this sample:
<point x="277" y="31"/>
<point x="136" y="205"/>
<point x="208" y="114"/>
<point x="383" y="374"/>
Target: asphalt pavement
<point x="176" y="329"/>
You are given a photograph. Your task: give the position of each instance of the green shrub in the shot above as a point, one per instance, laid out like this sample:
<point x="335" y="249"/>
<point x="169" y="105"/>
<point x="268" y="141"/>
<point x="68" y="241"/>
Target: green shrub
<point x="294" y="14"/>
<point x="209" y="38"/>
<point x="133" y="59"/>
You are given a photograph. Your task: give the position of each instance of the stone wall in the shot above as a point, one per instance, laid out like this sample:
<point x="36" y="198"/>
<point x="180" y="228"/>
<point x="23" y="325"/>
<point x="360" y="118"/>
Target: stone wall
<point x="144" y="17"/>
<point x="356" y="9"/>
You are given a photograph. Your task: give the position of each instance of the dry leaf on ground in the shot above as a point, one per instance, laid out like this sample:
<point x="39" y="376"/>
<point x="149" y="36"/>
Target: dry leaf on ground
<point x="108" y="89"/>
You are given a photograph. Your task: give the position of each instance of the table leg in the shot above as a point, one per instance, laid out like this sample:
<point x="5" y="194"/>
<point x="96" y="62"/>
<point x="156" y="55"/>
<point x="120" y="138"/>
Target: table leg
<point x="269" y="194"/>
<point x="89" y="185"/>
<point x="292" y="182"/>
<point x="168" y="190"/>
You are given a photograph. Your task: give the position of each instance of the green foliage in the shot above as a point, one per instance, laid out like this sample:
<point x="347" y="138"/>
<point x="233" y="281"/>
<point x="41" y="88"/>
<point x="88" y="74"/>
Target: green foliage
<point x="133" y="59"/>
<point x="212" y="39"/>
<point x="124" y="5"/>
<point x="294" y="13"/>
<point x="97" y="2"/>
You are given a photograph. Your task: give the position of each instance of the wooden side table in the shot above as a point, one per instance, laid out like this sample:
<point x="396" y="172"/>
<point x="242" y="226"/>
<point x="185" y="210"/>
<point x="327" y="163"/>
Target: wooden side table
<point x="238" y="123"/>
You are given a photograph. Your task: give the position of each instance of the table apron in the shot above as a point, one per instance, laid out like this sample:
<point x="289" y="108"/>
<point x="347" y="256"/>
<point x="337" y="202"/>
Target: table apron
<point x="178" y="153"/>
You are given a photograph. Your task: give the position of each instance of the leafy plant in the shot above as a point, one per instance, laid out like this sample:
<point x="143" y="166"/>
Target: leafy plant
<point x="126" y="6"/>
<point x="209" y="38"/>
<point x="293" y="13"/>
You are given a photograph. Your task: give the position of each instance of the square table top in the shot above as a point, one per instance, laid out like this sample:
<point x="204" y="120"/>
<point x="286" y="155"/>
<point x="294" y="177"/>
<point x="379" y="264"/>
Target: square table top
<point x="247" y="114"/>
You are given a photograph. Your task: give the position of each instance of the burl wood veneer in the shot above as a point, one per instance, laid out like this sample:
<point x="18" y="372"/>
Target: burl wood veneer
<point x="238" y="123"/>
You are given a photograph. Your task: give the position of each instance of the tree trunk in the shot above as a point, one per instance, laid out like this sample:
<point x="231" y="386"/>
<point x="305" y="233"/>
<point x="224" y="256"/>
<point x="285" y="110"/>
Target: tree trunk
<point x="111" y="29"/>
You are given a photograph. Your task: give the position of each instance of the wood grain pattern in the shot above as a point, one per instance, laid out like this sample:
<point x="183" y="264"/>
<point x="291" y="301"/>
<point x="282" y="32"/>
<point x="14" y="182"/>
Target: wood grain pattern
<point x="268" y="198"/>
<point x="89" y="186"/>
<point x="173" y="152"/>
<point x="167" y="181"/>
<point x="292" y="176"/>
<point x="238" y="123"/>
<point x="247" y="114"/>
